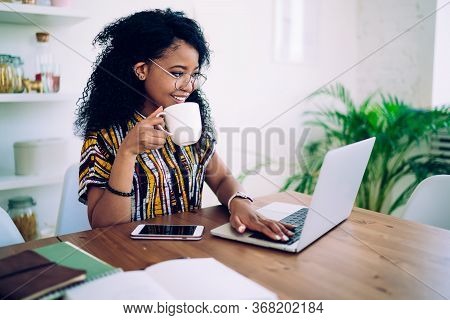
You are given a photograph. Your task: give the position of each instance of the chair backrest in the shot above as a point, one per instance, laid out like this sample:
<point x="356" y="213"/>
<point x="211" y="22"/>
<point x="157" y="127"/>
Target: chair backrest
<point x="430" y="202"/>
<point x="72" y="216"/>
<point x="9" y="234"/>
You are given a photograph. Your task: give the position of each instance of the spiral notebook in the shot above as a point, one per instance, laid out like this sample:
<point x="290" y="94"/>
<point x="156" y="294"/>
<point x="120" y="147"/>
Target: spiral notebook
<point x="69" y="255"/>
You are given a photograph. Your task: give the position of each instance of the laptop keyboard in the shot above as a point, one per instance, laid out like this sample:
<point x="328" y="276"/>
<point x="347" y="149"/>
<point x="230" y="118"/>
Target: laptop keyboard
<point x="297" y="219"/>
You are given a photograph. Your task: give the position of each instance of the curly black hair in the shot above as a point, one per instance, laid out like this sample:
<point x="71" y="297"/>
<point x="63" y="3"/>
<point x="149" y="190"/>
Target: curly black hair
<point x="113" y="92"/>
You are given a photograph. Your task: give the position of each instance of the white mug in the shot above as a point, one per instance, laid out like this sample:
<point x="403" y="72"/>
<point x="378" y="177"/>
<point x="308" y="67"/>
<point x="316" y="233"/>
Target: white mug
<point x="183" y="122"/>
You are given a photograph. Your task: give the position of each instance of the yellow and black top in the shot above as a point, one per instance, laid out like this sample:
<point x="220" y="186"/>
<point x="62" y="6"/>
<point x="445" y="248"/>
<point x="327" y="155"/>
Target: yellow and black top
<point x="165" y="181"/>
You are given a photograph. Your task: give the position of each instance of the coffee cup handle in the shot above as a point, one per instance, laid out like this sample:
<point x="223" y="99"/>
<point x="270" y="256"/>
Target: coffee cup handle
<point x="160" y="126"/>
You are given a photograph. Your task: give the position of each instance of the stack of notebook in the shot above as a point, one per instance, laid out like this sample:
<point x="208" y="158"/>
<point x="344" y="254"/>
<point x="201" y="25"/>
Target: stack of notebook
<point x="48" y="271"/>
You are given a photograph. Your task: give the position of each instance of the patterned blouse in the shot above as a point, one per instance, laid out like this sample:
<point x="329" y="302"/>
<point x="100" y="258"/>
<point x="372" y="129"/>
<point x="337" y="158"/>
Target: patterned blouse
<point x="165" y="181"/>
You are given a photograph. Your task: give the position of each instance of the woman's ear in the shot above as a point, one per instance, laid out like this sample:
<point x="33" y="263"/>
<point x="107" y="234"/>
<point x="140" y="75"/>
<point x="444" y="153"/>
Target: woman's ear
<point x="141" y="70"/>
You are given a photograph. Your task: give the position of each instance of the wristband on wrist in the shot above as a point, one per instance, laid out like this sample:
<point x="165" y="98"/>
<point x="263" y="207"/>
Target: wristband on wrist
<point x="238" y="195"/>
<point x="119" y="193"/>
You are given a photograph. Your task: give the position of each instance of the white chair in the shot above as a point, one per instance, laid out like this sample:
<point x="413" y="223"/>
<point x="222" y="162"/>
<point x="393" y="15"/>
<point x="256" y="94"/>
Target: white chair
<point x="430" y="202"/>
<point x="72" y="216"/>
<point x="9" y="234"/>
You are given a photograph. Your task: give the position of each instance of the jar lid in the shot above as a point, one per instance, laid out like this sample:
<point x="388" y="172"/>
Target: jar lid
<point x="21" y="202"/>
<point x="16" y="59"/>
<point x="42" y="36"/>
<point x="5" y="58"/>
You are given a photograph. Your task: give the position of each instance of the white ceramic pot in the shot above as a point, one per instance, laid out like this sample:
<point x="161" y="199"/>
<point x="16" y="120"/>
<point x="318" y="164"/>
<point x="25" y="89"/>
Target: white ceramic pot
<point x="40" y="157"/>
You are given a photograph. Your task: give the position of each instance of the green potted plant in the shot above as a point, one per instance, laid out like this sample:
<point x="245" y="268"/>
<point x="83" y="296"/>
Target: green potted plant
<point x="398" y="160"/>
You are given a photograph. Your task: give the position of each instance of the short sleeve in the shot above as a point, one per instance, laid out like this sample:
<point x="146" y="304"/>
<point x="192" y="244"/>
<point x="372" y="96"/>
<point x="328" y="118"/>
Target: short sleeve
<point x="207" y="151"/>
<point x="95" y="165"/>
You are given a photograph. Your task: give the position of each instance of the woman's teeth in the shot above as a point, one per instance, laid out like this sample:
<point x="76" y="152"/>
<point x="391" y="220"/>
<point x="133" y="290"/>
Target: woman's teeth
<point x="180" y="98"/>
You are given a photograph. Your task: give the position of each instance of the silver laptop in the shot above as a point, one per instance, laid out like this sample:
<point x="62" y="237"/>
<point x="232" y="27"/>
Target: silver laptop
<point x="332" y="202"/>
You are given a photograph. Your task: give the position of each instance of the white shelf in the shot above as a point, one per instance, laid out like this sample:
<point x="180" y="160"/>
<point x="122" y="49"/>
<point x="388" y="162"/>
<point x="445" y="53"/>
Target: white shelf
<point x="30" y="14"/>
<point x="35" y="97"/>
<point x="17" y="182"/>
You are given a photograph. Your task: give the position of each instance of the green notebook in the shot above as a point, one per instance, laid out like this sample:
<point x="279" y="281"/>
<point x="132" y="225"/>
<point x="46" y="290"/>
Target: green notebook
<point x="69" y="255"/>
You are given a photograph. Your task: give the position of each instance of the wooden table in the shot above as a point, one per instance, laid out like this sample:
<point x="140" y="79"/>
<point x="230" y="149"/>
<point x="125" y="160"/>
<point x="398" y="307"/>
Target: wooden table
<point x="369" y="256"/>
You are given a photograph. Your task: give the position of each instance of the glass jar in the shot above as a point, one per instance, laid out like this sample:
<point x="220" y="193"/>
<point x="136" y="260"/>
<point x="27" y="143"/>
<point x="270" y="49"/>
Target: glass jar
<point x="56" y="78"/>
<point x="6" y="74"/>
<point x="18" y="74"/>
<point x="44" y="61"/>
<point x="22" y="212"/>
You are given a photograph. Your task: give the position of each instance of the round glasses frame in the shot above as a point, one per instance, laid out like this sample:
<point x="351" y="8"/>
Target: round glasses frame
<point x="197" y="79"/>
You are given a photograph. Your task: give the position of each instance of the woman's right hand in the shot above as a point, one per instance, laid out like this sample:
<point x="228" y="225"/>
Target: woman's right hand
<point x="144" y="136"/>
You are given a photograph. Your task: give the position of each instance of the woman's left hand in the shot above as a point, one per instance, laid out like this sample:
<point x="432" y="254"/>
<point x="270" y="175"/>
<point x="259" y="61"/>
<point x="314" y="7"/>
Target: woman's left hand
<point x="244" y="216"/>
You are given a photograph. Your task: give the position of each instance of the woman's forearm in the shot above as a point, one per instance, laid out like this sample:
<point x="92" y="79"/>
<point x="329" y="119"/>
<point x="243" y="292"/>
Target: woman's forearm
<point x="227" y="187"/>
<point x="110" y="208"/>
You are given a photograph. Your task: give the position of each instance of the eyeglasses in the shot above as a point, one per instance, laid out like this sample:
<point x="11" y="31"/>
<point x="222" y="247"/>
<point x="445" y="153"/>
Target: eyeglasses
<point x="183" y="79"/>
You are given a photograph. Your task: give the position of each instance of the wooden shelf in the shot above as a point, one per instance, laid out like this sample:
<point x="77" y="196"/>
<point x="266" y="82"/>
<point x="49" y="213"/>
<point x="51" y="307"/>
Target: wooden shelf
<point x="35" y="97"/>
<point x="17" y="182"/>
<point x="29" y="14"/>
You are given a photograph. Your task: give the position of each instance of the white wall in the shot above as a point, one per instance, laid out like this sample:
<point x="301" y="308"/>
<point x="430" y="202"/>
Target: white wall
<point x="404" y="66"/>
<point x="441" y="67"/>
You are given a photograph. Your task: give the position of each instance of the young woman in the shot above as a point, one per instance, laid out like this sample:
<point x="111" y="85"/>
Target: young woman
<point x="129" y="169"/>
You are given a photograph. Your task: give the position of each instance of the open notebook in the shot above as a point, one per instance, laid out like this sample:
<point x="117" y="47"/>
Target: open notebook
<point x="190" y="279"/>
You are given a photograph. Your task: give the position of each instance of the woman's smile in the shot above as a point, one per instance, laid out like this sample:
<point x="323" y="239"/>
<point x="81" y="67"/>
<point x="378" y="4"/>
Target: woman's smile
<point x="179" y="98"/>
